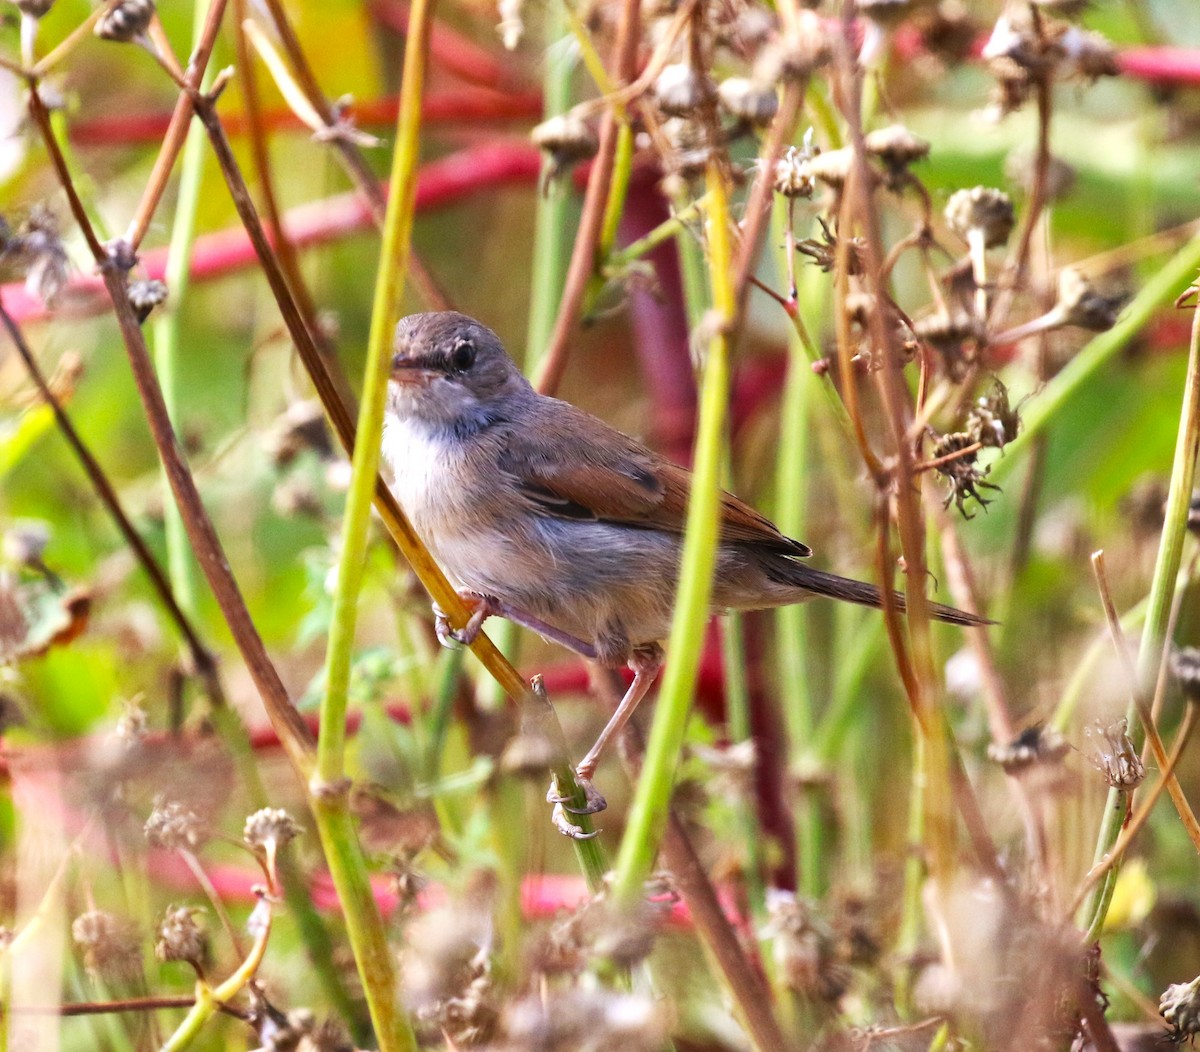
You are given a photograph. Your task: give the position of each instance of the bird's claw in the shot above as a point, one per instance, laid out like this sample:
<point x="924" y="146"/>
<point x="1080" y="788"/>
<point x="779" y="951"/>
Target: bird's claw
<point x="482" y="607"/>
<point x="568" y="828"/>
<point x="450" y="638"/>
<point x="594" y="799"/>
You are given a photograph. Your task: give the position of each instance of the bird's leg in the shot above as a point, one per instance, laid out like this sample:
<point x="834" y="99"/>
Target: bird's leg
<point x="484" y="606"/>
<point x="646" y="662"/>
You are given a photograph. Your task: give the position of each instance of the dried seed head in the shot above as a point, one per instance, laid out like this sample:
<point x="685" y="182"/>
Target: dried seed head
<point x="961" y="471"/>
<point x="1115" y="756"/>
<point x="109" y="945"/>
<point x="270" y="829"/>
<point x="1180" y="1007"/>
<point x="125" y="22"/>
<point x="181" y="937"/>
<point x="955" y="335"/>
<point x="949" y="32"/>
<point x="795" y="55"/>
<point x="37" y="250"/>
<point x="1185" y="663"/>
<point x="1080" y="303"/>
<point x="34" y="8"/>
<point x="793" y="177"/>
<point x="1020" y="166"/>
<point x="25" y="543"/>
<point x="690" y="148"/>
<point x="804" y="948"/>
<point x="145" y="295"/>
<point x="1034" y="746"/>
<point x="301" y="427"/>
<point x="823" y="251"/>
<point x="573" y="1019"/>
<point x="887" y="13"/>
<point x="748" y="100"/>
<point x="681" y="90"/>
<point x="833" y="167"/>
<point x="565" y="139"/>
<point x="1090" y="53"/>
<point x="896" y="147"/>
<point x="984" y="210"/>
<point x="993" y="421"/>
<point x="173" y="826"/>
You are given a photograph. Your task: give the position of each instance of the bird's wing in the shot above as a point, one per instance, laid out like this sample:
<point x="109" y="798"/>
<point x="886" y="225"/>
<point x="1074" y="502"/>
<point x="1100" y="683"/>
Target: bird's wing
<point x="574" y="466"/>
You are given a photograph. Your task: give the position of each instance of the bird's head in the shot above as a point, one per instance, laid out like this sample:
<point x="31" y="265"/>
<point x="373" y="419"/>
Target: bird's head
<point x="451" y="372"/>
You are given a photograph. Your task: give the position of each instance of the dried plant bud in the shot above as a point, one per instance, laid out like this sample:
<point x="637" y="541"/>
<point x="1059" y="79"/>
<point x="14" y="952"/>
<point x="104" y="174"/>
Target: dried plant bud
<point x="126" y="22"/>
<point x="793" y="177"/>
<point x="1020" y="41"/>
<point x="301" y="427"/>
<point x="1185" y="664"/>
<point x="270" y="829"/>
<point x="833" y="167"/>
<point x="34" y="8"/>
<point x="1033" y="746"/>
<point x="681" y="90"/>
<point x="897" y="148"/>
<point x="961" y="470"/>
<point x="949" y="32"/>
<point x="38" y="251"/>
<point x="994" y="422"/>
<point x="565" y="139"/>
<point x="1020" y="166"/>
<point x="887" y="13"/>
<point x="181" y="938"/>
<point x="1089" y="53"/>
<point x="983" y="212"/>
<point x="955" y="336"/>
<point x="823" y="251"/>
<point x="795" y="55"/>
<point x="1180" y="1007"/>
<point x="1114" y="755"/>
<point x="690" y="148"/>
<point x="804" y="948"/>
<point x="173" y="826"/>
<point x="748" y="100"/>
<point x="577" y="1018"/>
<point x="1080" y="304"/>
<point x="25" y="543"/>
<point x="109" y="945"/>
<point x="145" y="295"/>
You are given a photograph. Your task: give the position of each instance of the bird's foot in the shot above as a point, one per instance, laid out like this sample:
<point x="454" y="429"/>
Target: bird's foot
<point x="481" y="606"/>
<point x="594" y="801"/>
<point x="568" y="828"/>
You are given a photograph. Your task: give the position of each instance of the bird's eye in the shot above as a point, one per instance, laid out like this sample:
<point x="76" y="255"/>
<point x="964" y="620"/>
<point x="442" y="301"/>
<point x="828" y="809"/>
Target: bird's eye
<point x="463" y="356"/>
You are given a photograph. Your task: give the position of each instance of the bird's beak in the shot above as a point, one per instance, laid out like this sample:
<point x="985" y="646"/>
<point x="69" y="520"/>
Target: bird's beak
<point x="410" y="372"/>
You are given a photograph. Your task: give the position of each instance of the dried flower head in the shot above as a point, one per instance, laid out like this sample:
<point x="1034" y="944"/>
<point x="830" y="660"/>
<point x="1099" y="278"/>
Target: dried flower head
<point x="958" y="465"/>
<point x="302" y="426"/>
<point x="833" y="167"/>
<point x="1079" y="303"/>
<point x="793" y="177"/>
<point x="1064" y="8"/>
<point x="173" y="826"/>
<point x="270" y="829"/>
<point x="804" y="948"/>
<point x="1114" y="754"/>
<point x="748" y="100"/>
<point x="795" y="55"/>
<point x="1185" y="664"/>
<point x="24" y="543"/>
<point x="886" y="13"/>
<point x="994" y="421"/>
<point x="981" y="212"/>
<point x="1180" y="1007"/>
<point x="566" y="139"/>
<point x="109" y="945"/>
<point x="181" y="937"/>
<point x="579" y="1020"/>
<point x="1034" y="746"/>
<point x="132" y="724"/>
<point x="955" y="335"/>
<point x="1020" y="166"/>
<point x="37" y="250"/>
<point x="689" y="147"/>
<point x="34" y="8"/>
<point x="145" y="295"/>
<point x="823" y="251"/>
<point x="681" y="90"/>
<point x="1090" y="54"/>
<point x="897" y="148"/>
<point x="126" y="21"/>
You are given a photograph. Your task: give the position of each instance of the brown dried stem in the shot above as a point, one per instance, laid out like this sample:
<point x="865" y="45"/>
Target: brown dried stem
<point x="584" y="263"/>
<point x="202" y="658"/>
<point x="292" y="730"/>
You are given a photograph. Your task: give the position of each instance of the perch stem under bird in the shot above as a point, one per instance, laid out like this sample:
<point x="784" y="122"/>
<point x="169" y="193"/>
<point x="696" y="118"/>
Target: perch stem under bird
<point x="543" y="514"/>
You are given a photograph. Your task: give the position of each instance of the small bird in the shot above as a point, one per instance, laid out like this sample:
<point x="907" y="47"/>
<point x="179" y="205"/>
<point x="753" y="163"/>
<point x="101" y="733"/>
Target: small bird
<point x="543" y="514"/>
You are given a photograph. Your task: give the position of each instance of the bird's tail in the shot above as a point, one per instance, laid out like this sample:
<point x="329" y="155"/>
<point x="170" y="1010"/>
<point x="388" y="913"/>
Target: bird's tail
<point x="796" y="574"/>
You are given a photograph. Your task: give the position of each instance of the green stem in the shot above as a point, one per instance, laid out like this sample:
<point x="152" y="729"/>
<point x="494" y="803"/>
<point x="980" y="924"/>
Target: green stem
<point x="665" y="230"/>
<point x="330" y="794"/>
<point x="1158" y="614"/>
<point x="648" y="815"/>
